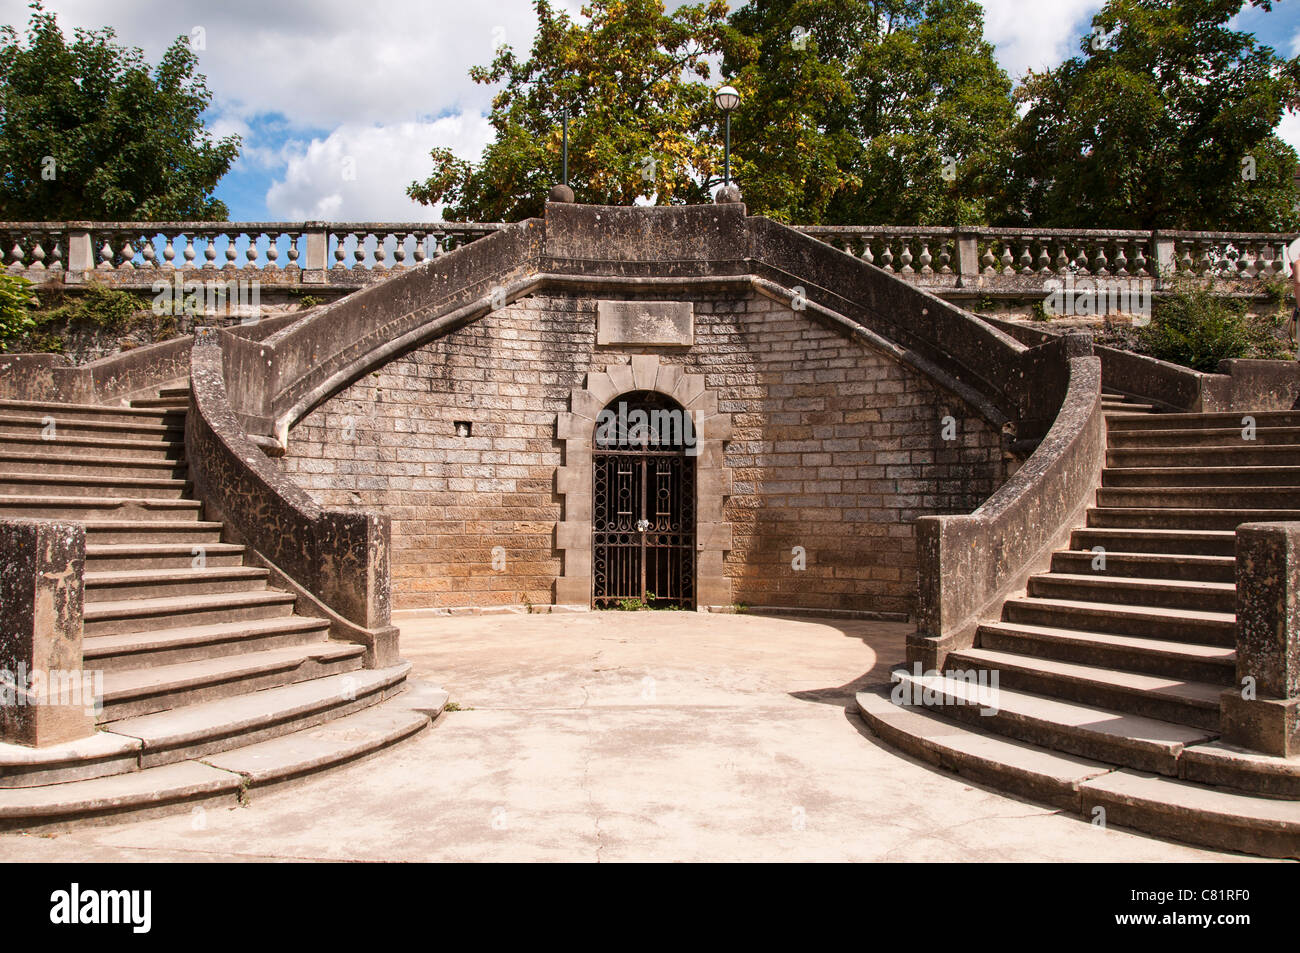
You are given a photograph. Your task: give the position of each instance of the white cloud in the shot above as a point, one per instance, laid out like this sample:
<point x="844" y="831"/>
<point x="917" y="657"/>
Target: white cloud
<point x="360" y="173"/>
<point x="324" y="63"/>
<point x="1288" y="130"/>
<point x="1036" y="35"/>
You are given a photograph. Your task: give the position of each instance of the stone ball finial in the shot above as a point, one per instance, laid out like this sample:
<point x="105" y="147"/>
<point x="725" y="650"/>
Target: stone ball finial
<point x="560" y="193"/>
<point x="726" y="195"/>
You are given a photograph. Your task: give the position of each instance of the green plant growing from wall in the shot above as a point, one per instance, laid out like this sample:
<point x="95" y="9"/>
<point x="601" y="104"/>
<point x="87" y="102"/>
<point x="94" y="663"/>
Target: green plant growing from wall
<point x="16" y="302"/>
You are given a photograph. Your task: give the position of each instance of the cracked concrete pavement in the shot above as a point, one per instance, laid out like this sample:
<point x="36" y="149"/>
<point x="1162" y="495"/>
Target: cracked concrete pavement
<point x="612" y="736"/>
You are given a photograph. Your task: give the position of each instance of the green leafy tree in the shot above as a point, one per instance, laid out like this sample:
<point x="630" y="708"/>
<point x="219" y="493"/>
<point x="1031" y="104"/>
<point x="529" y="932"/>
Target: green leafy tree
<point x="1165" y="120"/>
<point x="869" y="111"/>
<point x="642" y="120"/>
<point x="87" y="131"/>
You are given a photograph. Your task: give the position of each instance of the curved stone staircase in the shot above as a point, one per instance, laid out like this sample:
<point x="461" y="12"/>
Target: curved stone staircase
<point x="211" y="683"/>
<point x="1110" y="666"/>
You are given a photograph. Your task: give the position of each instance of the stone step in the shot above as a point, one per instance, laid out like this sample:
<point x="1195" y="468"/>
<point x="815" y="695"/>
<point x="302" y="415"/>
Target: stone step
<point x="87" y="465"/>
<point x="194" y="642"/>
<point x="1152" y="696"/>
<point x="1195" y="626"/>
<point x="1229" y="766"/>
<point x="1198" y="497"/>
<point x="1160" y="541"/>
<point x="1131" y="591"/>
<point x="148" y="615"/>
<point x="97" y="756"/>
<point x="82" y="509"/>
<point x="1204" y="438"/>
<point x="197" y="731"/>
<point x="1224" y="820"/>
<point x="179" y="403"/>
<point x="52" y="428"/>
<point x="1146" y="565"/>
<point x="1248" y="454"/>
<point x="94" y="447"/>
<point x="112" y="557"/>
<point x="117" y="585"/>
<point x="315" y="749"/>
<point x="224" y="782"/>
<point x="1119" y="407"/>
<point x="1198" y="663"/>
<point x="122" y="532"/>
<point x="178" y="390"/>
<point x="91" y="413"/>
<point x="1177" y="810"/>
<point x="81" y="485"/>
<point x="1200" y="476"/>
<point x="1155" y="517"/>
<point x="1098" y="734"/>
<point x="112" y="653"/>
<point x="1263" y="418"/>
<point x="142" y="691"/>
<point x="1024" y="770"/>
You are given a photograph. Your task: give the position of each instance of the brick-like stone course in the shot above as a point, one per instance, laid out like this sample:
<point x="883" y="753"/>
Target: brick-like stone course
<point x="835" y="447"/>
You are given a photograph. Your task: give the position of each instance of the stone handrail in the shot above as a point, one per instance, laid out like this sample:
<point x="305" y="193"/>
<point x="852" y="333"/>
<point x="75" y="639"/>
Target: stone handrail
<point x="968" y="565"/>
<point x="1238" y="384"/>
<point x="993" y="261"/>
<point x="337" y="561"/>
<point x="284" y="252"/>
<point x="1007" y="259"/>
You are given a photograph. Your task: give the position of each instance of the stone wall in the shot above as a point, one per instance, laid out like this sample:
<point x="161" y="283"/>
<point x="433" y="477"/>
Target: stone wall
<point x="835" y="448"/>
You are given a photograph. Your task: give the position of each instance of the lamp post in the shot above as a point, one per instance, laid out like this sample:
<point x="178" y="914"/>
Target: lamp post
<point x="562" y="192"/>
<point x="726" y="98"/>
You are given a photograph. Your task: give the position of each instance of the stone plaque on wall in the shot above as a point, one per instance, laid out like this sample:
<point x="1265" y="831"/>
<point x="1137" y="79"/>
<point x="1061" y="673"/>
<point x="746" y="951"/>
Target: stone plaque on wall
<point x="658" y="323"/>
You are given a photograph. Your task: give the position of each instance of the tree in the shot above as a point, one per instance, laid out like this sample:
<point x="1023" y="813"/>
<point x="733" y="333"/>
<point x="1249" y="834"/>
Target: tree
<point x="869" y="111"/>
<point x="88" y="132"/>
<point x="1165" y="121"/>
<point x="642" y="120"/>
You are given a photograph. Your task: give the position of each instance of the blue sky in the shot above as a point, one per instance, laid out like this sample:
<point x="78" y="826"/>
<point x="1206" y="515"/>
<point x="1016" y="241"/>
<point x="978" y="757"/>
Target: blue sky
<point x="339" y="104"/>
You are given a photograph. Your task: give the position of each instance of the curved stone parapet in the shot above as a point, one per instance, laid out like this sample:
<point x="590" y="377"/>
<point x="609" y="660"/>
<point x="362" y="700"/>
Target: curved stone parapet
<point x="969" y="564"/>
<point x="338" y="561"/>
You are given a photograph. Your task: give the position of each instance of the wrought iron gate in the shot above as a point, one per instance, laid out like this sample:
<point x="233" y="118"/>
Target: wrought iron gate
<point x="643" y="522"/>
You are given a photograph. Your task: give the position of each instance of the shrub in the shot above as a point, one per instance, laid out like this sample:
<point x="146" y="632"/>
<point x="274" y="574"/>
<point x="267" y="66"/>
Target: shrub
<point x="1198" y="330"/>
<point x="16" y="302"/>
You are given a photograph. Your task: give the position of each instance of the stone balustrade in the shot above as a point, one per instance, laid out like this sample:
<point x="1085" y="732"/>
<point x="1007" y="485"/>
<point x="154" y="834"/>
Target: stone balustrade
<point x="1008" y="260"/>
<point x="951" y="261"/>
<point x="131" y="253"/>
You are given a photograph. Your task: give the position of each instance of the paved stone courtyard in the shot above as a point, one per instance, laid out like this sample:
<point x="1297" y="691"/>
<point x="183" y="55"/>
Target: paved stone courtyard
<point x="665" y="736"/>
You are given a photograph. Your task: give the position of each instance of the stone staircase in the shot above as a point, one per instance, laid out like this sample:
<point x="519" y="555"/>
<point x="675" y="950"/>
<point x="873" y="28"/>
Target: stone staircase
<point x="212" y="683"/>
<point x="1110" y="666"/>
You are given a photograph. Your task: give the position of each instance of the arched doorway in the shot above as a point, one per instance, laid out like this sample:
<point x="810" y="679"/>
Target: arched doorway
<point x="643" y="503"/>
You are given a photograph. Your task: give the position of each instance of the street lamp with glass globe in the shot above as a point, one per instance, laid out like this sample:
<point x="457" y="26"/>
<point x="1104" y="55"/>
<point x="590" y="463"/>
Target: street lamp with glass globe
<point x="726" y="98"/>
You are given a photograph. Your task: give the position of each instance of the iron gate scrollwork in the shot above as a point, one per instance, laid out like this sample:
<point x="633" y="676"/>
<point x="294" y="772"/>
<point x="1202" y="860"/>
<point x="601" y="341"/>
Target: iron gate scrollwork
<point x="643" y="507"/>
